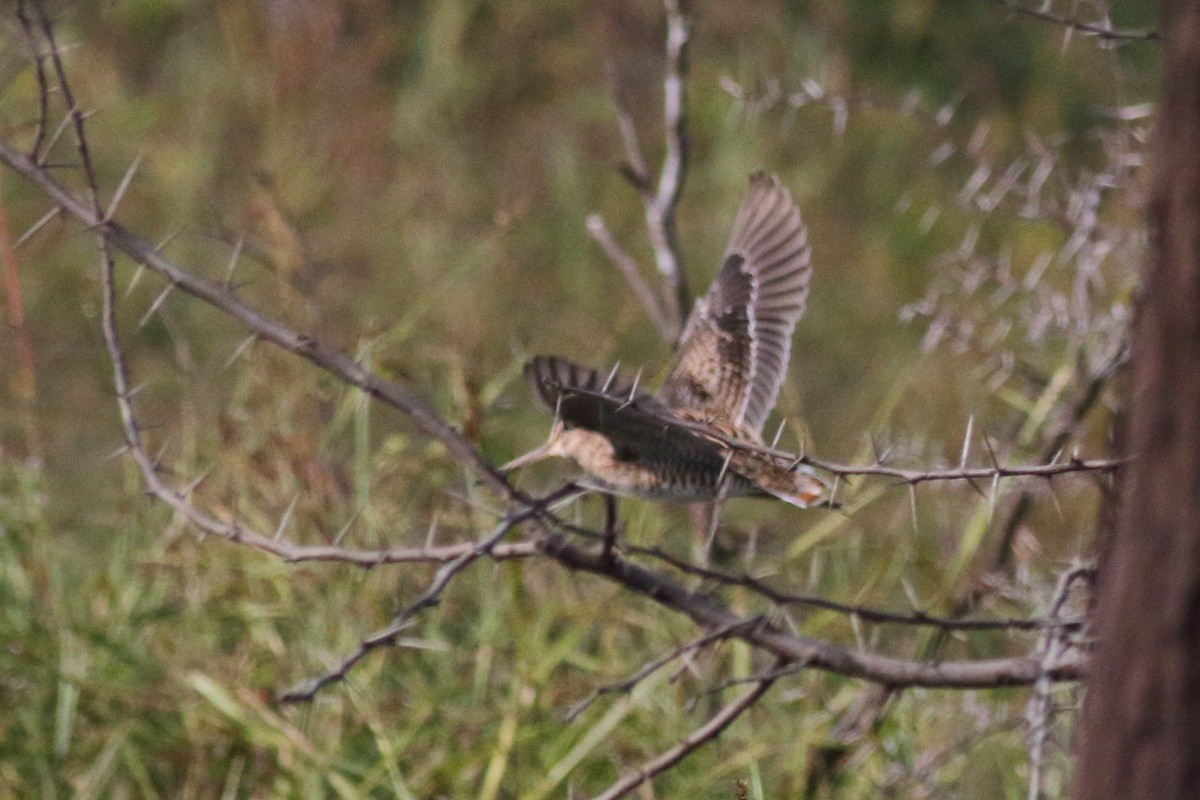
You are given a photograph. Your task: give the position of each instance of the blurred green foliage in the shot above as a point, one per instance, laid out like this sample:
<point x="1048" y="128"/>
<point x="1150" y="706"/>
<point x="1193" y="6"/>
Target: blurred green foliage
<point x="409" y="181"/>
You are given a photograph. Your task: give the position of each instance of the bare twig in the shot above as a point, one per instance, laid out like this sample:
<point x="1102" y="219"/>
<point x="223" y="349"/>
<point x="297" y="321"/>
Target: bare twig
<point x="39" y="67"/>
<point x="637" y="173"/>
<point x="645" y="294"/>
<point x="705" y="733"/>
<point x="1105" y="32"/>
<point x="660" y="200"/>
<point x="817" y="654"/>
<point x="429" y="598"/>
<point x="864" y="613"/>
<point x="915" y="476"/>
<point x="650" y="667"/>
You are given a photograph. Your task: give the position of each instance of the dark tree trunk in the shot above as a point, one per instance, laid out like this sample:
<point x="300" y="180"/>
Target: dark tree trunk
<point x="1141" y="721"/>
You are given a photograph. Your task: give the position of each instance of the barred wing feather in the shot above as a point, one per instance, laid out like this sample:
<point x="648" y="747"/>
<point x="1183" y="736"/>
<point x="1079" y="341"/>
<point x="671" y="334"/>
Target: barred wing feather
<point x="640" y="428"/>
<point x="734" y="352"/>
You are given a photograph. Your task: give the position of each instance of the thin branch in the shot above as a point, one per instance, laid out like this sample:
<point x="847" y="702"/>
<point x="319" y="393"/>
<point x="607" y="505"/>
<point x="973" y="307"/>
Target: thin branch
<point x="429" y="598"/>
<point x="1105" y="32"/>
<point x="650" y="301"/>
<point x="35" y="152"/>
<point x="74" y="114"/>
<point x="295" y="554"/>
<point x="914" y="476"/>
<point x="637" y="173"/>
<point x="650" y="667"/>
<point x="864" y="613"/>
<point x="707" y="732"/>
<point x="817" y="654"/>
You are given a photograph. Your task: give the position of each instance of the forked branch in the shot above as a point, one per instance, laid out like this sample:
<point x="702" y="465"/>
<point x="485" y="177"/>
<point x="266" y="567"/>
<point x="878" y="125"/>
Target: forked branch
<point x="660" y="197"/>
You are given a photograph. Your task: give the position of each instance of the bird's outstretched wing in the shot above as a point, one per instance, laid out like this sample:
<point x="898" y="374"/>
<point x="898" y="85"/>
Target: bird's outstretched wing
<point x="639" y="427"/>
<point x="734" y="352"/>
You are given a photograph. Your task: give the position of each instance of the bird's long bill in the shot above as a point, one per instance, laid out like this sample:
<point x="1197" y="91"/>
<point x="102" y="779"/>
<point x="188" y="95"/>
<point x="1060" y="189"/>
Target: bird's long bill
<point x="533" y="456"/>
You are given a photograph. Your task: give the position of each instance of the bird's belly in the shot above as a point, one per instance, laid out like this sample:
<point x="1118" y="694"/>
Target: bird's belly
<point x="655" y="476"/>
<point x="652" y="486"/>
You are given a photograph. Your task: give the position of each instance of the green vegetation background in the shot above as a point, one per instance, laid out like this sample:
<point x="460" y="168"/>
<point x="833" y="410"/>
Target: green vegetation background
<point x="412" y="180"/>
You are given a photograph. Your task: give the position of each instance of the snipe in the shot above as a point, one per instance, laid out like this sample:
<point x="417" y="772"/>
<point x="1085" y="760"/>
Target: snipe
<point x="699" y="438"/>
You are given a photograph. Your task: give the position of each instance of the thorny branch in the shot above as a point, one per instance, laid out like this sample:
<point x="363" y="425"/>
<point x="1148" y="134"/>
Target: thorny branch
<point x="818" y="654"/>
<point x="863" y="613"/>
<point x="431" y="597"/>
<point x="650" y="667"/>
<point x="1103" y="31"/>
<point x="39" y="68"/>
<point x="911" y="477"/>
<point x="701" y="735"/>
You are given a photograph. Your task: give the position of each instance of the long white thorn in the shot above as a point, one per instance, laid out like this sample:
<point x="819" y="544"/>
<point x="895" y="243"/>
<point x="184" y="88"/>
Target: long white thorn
<point x="612" y="376"/>
<point x="191" y="487"/>
<point x="431" y="534"/>
<point x="37" y="226"/>
<point x="234" y="258"/>
<point x="141" y="268"/>
<point x="241" y="348"/>
<point x="912" y="505"/>
<point x="966" y="448"/>
<point x="121" y="189"/>
<point x="162" y="451"/>
<point x="341" y="534"/>
<point x="158" y="301"/>
<point x="287" y="516"/>
<point x="992" y="497"/>
<point x="48" y="145"/>
<point x="778" y="433"/>
<point x="632" y="392"/>
<point x="724" y="469"/>
<point x="135" y="280"/>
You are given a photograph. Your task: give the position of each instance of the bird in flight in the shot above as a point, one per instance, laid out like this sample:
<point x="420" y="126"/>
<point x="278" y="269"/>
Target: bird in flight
<point x="700" y="437"/>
